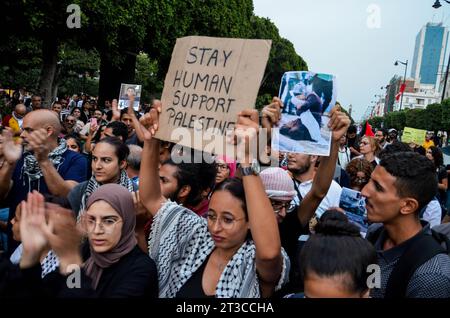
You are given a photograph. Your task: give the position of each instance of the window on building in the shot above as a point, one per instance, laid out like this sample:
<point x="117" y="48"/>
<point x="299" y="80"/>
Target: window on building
<point x="420" y="101"/>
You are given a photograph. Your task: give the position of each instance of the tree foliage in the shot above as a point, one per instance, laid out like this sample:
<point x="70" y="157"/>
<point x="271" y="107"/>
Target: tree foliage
<point x="123" y="41"/>
<point x="434" y="117"/>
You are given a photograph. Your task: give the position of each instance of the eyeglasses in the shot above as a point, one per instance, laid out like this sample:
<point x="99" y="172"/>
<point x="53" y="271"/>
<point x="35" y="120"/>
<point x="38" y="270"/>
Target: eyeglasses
<point x="279" y="205"/>
<point x="227" y="222"/>
<point x="70" y="121"/>
<point x="364" y="143"/>
<point x="106" y="224"/>
<point x="222" y="166"/>
<point x="361" y="180"/>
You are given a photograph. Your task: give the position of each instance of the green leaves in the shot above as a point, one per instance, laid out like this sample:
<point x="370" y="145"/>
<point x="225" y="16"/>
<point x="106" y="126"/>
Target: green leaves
<point x="434" y="118"/>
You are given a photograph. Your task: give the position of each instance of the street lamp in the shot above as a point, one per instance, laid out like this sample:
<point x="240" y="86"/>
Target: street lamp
<point x="437" y="4"/>
<point x="404" y="79"/>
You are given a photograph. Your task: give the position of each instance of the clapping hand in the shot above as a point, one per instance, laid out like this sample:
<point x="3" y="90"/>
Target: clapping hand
<point x="63" y="236"/>
<point x="38" y="141"/>
<point x="11" y="151"/>
<point x="33" y="239"/>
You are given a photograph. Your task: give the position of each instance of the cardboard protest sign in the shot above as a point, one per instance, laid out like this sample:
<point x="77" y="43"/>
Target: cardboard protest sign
<point x="125" y="90"/>
<point x="416" y="136"/>
<point x="308" y="97"/>
<point x="209" y="81"/>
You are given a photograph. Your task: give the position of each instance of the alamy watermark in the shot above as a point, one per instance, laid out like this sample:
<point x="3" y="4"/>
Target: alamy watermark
<point x="374" y="18"/>
<point x="374" y="279"/>
<point x="74" y="19"/>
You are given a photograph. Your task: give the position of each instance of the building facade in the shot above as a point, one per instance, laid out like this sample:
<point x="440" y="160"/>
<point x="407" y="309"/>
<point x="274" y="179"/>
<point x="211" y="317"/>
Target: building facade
<point x="429" y="54"/>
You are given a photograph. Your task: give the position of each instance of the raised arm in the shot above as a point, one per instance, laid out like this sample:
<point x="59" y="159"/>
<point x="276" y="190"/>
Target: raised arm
<point x="149" y="188"/>
<point x="263" y="224"/>
<point x="134" y="119"/>
<point x="10" y="153"/>
<point x="39" y="142"/>
<point x="88" y="144"/>
<point x="115" y="110"/>
<point x="339" y="123"/>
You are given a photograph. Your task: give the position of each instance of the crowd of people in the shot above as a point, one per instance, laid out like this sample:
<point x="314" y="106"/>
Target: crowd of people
<point x="87" y="191"/>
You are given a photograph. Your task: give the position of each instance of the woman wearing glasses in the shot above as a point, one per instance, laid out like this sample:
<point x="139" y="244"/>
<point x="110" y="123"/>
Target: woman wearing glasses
<point x="226" y="168"/>
<point x="369" y="148"/>
<point x="216" y="256"/>
<point x="359" y="170"/>
<point x="116" y="268"/>
<point x="236" y="251"/>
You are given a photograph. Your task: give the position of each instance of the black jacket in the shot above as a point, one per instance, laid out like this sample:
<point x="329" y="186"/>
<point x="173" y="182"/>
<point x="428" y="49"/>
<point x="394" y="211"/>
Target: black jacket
<point x="135" y="275"/>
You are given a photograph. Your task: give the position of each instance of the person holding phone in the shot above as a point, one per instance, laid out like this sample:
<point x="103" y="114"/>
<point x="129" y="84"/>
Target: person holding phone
<point x="94" y="122"/>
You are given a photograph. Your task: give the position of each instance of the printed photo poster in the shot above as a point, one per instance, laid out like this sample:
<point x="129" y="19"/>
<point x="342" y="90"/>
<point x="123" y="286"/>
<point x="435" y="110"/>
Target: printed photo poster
<point x="308" y="97"/>
<point x="129" y="89"/>
<point x="354" y="205"/>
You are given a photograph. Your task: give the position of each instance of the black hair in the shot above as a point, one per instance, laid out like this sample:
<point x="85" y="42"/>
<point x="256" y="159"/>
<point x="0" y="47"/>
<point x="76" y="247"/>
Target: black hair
<point x="394" y="148"/>
<point x="98" y="133"/>
<point x="119" y="129"/>
<point x="76" y="138"/>
<point x="351" y="129"/>
<point x="415" y="176"/>
<point x="337" y="248"/>
<point x="82" y="117"/>
<point x="121" y="150"/>
<point x="125" y="112"/>
<point x="236" y="188"/>
<point x="438" y="158"/>
<point x="99" y="110"/>
<point x="420" y="150"/>
<point x="383" y="131"/>
<point x="199" y="176"/>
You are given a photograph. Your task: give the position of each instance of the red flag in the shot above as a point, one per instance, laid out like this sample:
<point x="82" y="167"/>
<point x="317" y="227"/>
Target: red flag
<point x="369" y="131"/>
<point x="401" y="91"/>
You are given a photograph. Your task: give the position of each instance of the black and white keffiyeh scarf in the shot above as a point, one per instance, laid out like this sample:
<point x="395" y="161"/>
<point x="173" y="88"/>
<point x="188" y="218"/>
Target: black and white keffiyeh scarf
<point x="180" y="242"/>
<point x="31" y="168"/>
<point x="94" y="185"/>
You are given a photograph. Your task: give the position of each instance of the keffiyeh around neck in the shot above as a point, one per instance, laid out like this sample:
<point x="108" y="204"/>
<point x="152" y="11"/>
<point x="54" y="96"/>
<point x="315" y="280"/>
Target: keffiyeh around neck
<point x="94" y="185"/>
<point x="31" y="167"/>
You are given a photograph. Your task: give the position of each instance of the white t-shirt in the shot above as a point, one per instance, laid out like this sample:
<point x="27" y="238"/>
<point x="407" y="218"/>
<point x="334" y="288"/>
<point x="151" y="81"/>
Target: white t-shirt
<point x="331" y="199"/>
<point x="344" y="157"/>
<point x="433" y="213"/>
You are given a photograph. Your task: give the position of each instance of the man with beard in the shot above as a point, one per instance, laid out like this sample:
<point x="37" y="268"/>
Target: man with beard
<point x="303" y="169"/>
<point x="412" y="262"/>
<point x="381" y="136"/>
<point x="188" y="183"/>
<point x="46" y="164"/>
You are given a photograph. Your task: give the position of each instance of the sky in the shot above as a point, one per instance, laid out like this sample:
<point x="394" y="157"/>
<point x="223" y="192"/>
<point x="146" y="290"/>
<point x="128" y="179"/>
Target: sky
<point x="356" y="40"/>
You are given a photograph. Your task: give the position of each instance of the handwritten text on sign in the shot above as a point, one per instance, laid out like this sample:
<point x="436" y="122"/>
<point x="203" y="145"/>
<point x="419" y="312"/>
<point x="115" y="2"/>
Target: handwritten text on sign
<point x="210" y="80"/>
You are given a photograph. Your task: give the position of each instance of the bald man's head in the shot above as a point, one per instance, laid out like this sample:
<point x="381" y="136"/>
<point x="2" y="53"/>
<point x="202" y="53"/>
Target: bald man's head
<point x="41" y="118"/>
<point x="20" y="110"/>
